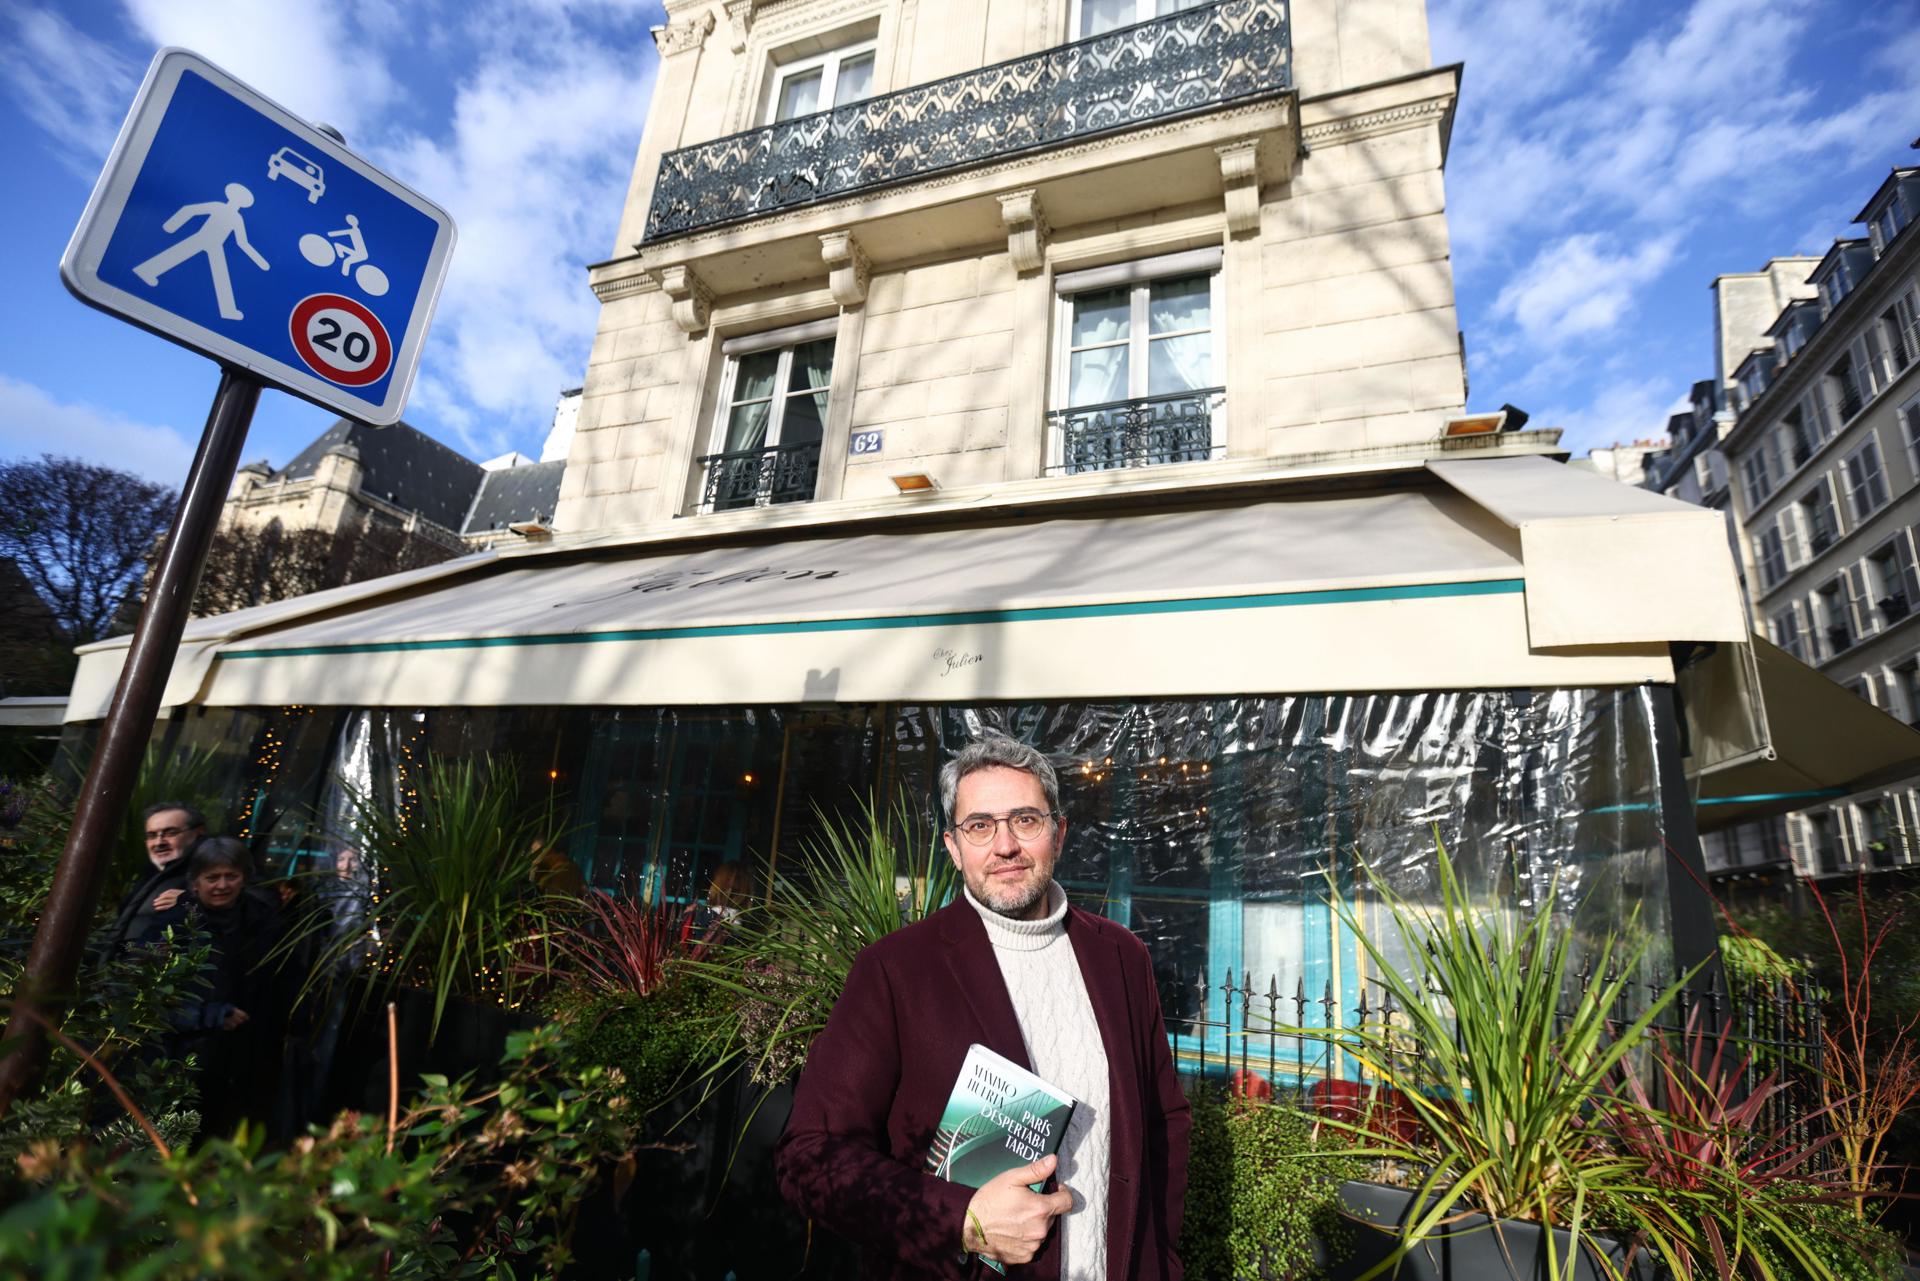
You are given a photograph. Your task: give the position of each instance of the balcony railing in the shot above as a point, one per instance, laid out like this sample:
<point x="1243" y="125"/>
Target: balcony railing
<point x="1177" y="428"/>
<point x="761" y="477"/>
<point x="1894" y="607"/>
<point x="1187" y="62"/>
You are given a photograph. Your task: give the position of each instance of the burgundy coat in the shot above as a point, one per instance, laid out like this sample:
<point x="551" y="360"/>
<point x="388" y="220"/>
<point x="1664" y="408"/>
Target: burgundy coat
<point x="854" y="1152"/>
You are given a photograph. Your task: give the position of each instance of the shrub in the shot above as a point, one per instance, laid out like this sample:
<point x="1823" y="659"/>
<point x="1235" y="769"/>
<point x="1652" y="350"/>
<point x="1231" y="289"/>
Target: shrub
<point x="1262" y="1186"/>
<point x="471" y="1184"/>
<point x="657" y="1041"/>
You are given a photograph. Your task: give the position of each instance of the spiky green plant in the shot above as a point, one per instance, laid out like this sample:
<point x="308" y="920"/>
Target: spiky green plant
<point x="458" y="904"/>
<point x="787" y="959"/>
<point x="1512" y="1058"/>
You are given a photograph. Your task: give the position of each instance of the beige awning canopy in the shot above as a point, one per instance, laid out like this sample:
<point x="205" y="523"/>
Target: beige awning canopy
<point x="1424" y="586"/>
<point x="1768" y="734"/>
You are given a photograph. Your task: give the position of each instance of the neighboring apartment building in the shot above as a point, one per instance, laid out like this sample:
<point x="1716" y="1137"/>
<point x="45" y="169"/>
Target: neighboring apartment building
<point x="353" y="476"/>
<point x="1825" y="453"/>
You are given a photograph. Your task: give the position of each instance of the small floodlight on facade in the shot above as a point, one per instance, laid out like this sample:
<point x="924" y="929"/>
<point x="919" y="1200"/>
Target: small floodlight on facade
<point x="914" y="482"/>
<point x="1474" y="425"/>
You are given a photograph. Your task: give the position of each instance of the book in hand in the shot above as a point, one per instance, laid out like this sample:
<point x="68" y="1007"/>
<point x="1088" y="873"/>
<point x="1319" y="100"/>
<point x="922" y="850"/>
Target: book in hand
<point x="998" y="1118"/>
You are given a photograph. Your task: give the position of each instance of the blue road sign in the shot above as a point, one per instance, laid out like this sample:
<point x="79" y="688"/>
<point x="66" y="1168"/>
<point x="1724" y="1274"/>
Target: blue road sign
<point x="227" y="224"/>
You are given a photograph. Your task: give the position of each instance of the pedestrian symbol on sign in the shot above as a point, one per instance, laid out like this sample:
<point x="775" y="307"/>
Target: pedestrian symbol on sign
<point x="222" y="221"/>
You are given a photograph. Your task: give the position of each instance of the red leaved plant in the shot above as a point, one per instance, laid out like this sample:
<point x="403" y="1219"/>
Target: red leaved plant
<point x="625" y="945"/>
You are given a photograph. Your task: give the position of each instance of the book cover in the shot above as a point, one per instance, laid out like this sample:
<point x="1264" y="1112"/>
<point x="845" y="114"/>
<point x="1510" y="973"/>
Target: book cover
<point x="999" y="1117"/>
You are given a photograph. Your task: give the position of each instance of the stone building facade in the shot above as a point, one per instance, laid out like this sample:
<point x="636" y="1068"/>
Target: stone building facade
<point x="1824" y="453"/>
<point x="1058" y="256"/>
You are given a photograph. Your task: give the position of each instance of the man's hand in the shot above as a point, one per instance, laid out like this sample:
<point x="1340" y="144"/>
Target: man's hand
<point x="165" y="899"/>
<point x="1013" y="1216"/>
<point x="233" y="1020"/>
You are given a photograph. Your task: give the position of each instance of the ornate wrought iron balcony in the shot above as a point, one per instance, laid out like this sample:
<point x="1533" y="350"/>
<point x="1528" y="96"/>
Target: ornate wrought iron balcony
<point x="1187" y="62"/>
<point x="760" y="477"/>
<point x="1138" y="433"/>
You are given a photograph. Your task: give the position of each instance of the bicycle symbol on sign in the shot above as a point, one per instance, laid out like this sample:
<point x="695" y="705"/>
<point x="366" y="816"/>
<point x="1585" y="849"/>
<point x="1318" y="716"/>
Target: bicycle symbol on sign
<point x="349" y="248"/>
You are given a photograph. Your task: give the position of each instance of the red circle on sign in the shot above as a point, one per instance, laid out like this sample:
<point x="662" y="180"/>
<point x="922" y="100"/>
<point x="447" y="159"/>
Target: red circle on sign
<point x="327" y="351"/>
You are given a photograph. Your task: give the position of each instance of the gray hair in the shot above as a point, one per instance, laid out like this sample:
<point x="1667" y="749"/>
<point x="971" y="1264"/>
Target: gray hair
<point x="995" y="750"/>
<point x="194" y="817"/>
<point x="219" y="851"/>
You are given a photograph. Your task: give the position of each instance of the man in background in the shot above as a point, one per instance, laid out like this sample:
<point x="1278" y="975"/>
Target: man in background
<point x="171" y="830"/>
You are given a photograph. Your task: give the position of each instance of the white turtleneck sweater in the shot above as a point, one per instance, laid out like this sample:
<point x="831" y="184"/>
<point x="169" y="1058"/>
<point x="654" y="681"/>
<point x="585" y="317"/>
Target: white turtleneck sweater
<point x="1064" y="1046"/>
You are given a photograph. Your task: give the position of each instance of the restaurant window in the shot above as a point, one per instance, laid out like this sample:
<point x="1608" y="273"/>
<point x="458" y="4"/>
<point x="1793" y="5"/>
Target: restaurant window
<point x="1878" y="840"/>
<point x="772" y="416"/>
<point x="1139" y="366"/>
<point x="1866" y="481"/>
<point x="1825" y="856"/>
<point x="1093" y="17"/>
<point x="815" y="83"/>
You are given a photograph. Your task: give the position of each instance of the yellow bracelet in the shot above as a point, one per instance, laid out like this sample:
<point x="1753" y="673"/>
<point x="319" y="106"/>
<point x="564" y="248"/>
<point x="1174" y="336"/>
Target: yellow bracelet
<point x="975" y="1220"/>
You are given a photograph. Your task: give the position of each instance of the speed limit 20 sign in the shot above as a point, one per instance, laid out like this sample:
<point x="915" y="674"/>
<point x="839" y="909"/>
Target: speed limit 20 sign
<point x="229" y="225"/>
<point x="341" y="340"/>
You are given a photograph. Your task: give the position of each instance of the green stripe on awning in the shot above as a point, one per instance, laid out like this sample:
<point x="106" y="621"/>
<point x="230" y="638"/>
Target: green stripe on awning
<point x="1044" y="613"/>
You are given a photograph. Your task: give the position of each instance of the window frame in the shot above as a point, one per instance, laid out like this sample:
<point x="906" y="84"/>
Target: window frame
<point x="829" y="63"/>
<point x="1879" y="474"/>
<point x="786" y="340"/>
<point x="1138" y="276"/>
<point x="1076" y="14"/>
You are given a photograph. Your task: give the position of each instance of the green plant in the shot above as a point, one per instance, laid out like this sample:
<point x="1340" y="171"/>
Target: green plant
<point x="786" y="961"/>
<point x="1262" y="1187"/>
<point x="467" y="1183"/>
<point x="656" y="1041"/>
<point x="457" y="906"/>
<point x="1510" y="1066"/>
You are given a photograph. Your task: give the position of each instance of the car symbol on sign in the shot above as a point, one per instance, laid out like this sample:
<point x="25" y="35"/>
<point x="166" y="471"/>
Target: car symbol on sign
<point x="298" y="170"/>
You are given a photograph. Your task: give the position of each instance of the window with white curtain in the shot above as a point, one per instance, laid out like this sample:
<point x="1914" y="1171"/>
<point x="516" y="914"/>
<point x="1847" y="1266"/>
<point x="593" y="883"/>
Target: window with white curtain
<point x="831" y="79"/>
<point x="1093" y="17"/>
<point x="773" y="401"/>
<point x="1142" y="342"/>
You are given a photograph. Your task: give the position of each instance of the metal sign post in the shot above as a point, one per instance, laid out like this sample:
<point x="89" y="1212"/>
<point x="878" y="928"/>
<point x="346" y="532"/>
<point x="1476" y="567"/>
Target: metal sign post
<point x="226" y="224"/>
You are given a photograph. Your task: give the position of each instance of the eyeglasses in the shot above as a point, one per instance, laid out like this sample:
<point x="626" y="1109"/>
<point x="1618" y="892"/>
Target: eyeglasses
<point x="166" y="834"/>
<point x="1026" y="825"/>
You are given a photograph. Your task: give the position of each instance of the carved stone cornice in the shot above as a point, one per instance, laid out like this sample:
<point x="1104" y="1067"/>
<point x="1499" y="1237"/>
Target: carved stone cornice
<point x="847" y="266"/>
<point x="613" y="281"/>
<point x="1240" y="174"/>
<point x="1027" y="229"/>
<point x="740" y="14"/>
<point x="678" y="37"/>
<point x="692" y="302"/>
<point x="1406" y="116"/>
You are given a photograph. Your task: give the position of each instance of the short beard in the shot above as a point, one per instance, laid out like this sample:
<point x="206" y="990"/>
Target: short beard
<point x="1018" y="911"/>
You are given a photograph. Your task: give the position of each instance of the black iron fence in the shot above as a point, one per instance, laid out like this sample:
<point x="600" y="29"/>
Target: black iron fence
<point x="1261" y="1037"/>
<point x="759" y="477"/>
<point x="1187" y="62"/>
<point x="1148" y="432"/>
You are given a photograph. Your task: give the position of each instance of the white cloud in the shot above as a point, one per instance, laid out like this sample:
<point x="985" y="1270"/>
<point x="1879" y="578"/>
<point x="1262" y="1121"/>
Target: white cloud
<point x="1579" y="287"/>
<point x="1620" y="413"/>
<point x="534" y="171"/>
<point x="33" y="422"/>
<point x="305" y="56"/>
<point x="75" y="88"/>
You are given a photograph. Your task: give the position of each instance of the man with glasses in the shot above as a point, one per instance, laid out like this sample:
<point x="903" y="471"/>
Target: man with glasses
<point x="1062" y="991"/>
<point x="172" y="829"/>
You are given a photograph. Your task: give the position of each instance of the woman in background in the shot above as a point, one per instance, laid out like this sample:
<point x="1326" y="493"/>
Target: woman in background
<point x="236" y="1025"/>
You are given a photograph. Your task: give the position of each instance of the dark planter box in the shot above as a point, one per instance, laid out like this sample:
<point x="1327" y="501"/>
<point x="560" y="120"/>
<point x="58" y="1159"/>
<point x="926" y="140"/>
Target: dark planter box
<point x="1468" y="1250"/>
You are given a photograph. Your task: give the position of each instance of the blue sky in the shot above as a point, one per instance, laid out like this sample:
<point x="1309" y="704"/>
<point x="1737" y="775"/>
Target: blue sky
<point x="1609" y="159"/>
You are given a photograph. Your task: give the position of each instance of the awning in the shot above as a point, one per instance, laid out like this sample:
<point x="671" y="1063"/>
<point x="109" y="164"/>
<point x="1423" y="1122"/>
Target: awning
<point x="28" y="711"/>
<point x="1768" y="734"/>
<point x="1411" y="588"/>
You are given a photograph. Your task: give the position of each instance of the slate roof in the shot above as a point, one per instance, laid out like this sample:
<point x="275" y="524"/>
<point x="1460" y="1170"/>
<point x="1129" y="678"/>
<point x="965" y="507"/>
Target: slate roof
<point x="403" y="465"/>
<point x="515" y="494"/>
